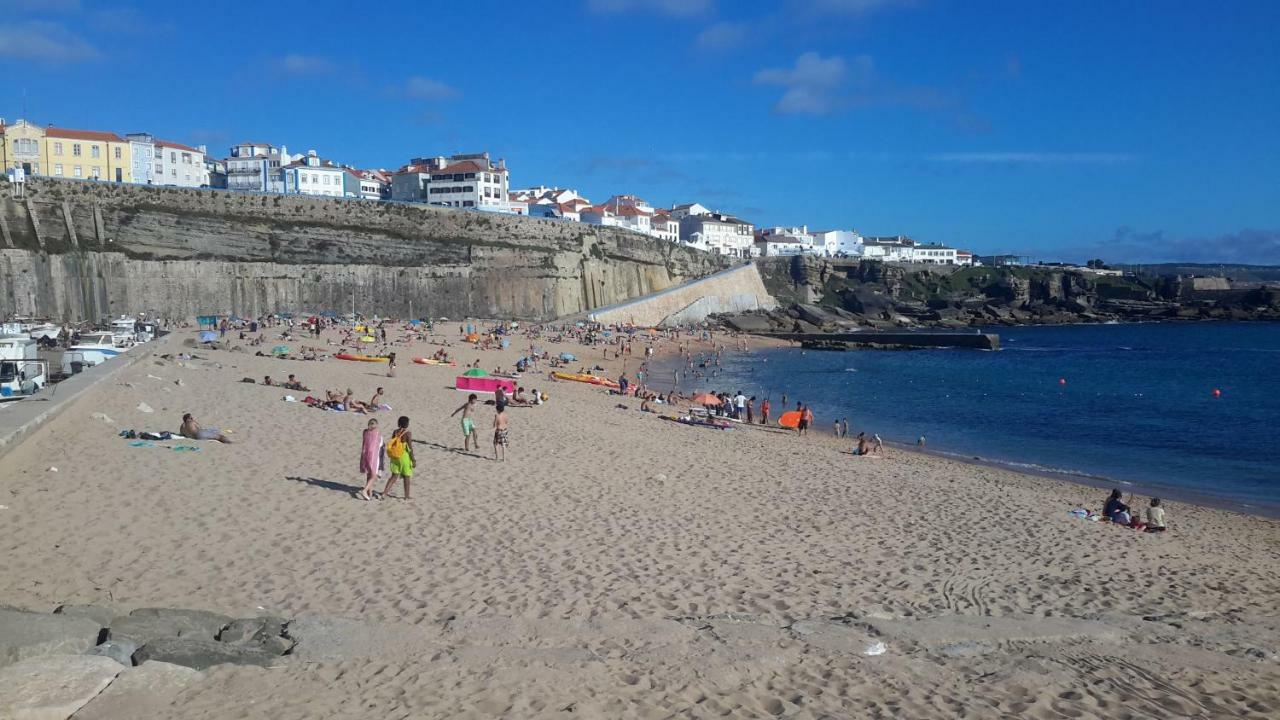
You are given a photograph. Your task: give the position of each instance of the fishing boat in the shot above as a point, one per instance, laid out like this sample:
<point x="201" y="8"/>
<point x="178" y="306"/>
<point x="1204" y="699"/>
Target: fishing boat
<point x="92" y="349"/>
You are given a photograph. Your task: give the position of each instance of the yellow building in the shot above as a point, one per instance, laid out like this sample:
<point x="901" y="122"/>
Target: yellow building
<point x="86" y="155"/>
<point x="23" y="147"/>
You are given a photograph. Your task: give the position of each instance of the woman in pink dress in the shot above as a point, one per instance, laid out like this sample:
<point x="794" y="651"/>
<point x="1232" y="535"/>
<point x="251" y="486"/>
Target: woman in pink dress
<point x="370" y="458"/>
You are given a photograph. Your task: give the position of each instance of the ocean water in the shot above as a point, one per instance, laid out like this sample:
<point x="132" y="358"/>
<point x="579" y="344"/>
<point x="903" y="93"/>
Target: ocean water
<point x="1137" y="406"/>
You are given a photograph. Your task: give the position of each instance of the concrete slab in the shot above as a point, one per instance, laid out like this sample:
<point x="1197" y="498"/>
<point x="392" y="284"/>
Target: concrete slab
<point x="53" y="687"/>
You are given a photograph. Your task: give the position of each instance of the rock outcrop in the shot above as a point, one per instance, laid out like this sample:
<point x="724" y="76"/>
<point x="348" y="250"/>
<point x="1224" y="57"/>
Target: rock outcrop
<point x="82" y="250"/>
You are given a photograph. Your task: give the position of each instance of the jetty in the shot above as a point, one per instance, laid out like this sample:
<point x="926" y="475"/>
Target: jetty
<point x="896" y="339"/>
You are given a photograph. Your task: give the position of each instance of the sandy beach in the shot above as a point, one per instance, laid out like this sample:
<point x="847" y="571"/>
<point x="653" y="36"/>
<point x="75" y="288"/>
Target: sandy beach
<point x="621" y="566"/>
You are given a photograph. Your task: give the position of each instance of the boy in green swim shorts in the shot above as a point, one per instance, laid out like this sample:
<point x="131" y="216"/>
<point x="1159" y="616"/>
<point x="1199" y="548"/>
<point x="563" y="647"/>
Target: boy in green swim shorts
<point x="400" y="456"/>
<point x="469" y="435"/>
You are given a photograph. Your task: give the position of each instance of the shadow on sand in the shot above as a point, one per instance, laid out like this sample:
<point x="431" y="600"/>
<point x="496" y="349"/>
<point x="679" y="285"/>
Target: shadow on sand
<point x="446" y="448"/>
<point x="327" y="484"/>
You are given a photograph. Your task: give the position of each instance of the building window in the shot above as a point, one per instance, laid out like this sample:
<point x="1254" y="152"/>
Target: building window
<point x="57" y="150"/>
<point x="93" y="151"/>
<point x="118" y="155"/>
<point x="57" y="169"/>
<point x="75" y="149"/>
<point x="186" y="158"/>
<point x="326" y="179"/>
<point x="159" y="169"/>
<point x="76" y="171"/>
<point x="94" y="172"/>
<point x="303" y="177"/>
<point x="173" y="156"/>
<point x="174" y="173"/>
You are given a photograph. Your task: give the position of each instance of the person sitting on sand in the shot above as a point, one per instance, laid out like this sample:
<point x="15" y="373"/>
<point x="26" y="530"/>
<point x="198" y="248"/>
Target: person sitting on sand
<point x="864" y="447"/>
<point x="375" y="403"/>
<point x="1114" y="505"/>
<point x="191" y="429"/>
<point x="293" y="384"/>
<point x="1155" y="517"/>
<point x="519" y="397"/>
<point x="266" y="380"/>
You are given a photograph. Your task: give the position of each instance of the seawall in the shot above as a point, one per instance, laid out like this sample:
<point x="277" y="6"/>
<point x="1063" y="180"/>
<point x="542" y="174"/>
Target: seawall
<point x="736" y="290"/>
<point x="78" y="250"/>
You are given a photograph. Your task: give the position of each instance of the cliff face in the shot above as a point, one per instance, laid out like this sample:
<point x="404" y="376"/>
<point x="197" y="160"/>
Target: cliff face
<point x="79" y="250"/>
<point x="882" y="295"/>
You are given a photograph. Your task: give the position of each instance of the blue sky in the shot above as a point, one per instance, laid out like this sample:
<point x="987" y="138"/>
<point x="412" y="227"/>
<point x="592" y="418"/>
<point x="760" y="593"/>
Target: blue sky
<point x="1128" y="130"/>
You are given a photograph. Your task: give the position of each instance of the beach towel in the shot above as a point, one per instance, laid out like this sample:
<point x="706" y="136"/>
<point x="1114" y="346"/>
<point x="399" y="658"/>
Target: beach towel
<point x="371" y="452"/>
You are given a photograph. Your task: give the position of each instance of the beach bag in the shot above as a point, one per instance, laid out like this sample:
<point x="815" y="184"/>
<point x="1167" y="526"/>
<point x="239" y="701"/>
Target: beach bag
<point x="396" y="446"/>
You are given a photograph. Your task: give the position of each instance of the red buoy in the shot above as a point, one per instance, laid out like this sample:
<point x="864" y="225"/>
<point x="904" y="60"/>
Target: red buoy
<point x="1062" y="381"/>
<point x="1217" y="393"/>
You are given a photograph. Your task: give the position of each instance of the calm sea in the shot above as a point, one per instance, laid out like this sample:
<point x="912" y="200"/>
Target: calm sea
<point x="1137" y="405"/>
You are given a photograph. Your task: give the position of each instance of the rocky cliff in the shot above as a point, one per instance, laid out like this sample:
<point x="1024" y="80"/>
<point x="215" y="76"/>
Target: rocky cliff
<point x="828" y="294"/>
<point x="80" y="250"/>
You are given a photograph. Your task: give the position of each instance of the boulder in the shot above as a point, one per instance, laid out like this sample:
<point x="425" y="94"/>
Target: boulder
<point x="97" y="613"/>
<point x="200" y="654"/>
<point x="146" y="624"/>
<point x="53" y="687"/>
<point x="26" y="635"/>
<point x="119" y="650"/>
<point x="262" y="633"/>
<point x="143" y="691"/>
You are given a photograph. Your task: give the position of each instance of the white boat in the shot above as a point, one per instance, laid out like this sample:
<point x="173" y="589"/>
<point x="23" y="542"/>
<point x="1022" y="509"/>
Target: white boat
<point x="45" y="331"/>
<point x="125" y="331"/>
<point x="92" y="348"/>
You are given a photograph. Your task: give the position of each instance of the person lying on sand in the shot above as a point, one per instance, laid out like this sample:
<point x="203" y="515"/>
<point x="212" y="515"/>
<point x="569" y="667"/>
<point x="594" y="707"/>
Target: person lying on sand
<point x="292" y="383"/>
<point x="191" y="429"/>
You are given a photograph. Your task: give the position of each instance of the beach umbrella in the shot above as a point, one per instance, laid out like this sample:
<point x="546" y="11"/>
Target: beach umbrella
<point x="208" y="336"/>
<point x="568" y="357"/>
<point x="476" y="372"/>
<point x="706" y="398"/>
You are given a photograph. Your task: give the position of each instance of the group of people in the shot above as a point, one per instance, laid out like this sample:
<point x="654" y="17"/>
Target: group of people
<point x="1117" y="512"/>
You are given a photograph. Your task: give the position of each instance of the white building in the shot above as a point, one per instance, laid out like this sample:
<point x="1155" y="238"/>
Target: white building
<point x="665" y="227"/>
<point x="313" y="175"/>
<point x="838" y="242"/>
<point x="898" y="248"/>
<point x="964" y="257"/>
<point x="373" y="184"/>
<point x="460" y="181"/>
<point x="178" y="164"/>
<point x="934" y="255"/>
<point x="776" y="245"/>
<point x="256" y="167"/>
<point x="627" y="217"/>
<point x="718" y="233"/>
<point x="680" y="212"/>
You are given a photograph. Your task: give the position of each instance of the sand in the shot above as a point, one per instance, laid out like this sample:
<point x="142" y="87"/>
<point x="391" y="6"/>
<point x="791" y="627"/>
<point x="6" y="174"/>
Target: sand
<point x="621" y="566"/>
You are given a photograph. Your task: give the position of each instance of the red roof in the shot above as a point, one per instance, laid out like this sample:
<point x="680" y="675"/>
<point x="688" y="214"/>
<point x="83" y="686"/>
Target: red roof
<point x="467" y="166"/>
<point x="178" y="146"/>
<point x="627" y="210"/>
<point x="81" y="134"/>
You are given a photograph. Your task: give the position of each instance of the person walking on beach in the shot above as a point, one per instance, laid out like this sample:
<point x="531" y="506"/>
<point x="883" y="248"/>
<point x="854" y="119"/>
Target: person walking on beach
<point x="764" y="412"/>
<point x="391" y="365"/>
<point x="751" y="409"/>
<point x="501" y="432"/>
<point x="739" y="405"/>
<point x="469" y="434"/>
<point x="370" y="458"/>
<point x="400" y="456"/>
<point x="806" y="419"/>
<point x="835" y="428"/>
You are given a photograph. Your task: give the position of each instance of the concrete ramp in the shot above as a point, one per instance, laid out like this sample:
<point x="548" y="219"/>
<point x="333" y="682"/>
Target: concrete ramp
<point x="738" y="289"/>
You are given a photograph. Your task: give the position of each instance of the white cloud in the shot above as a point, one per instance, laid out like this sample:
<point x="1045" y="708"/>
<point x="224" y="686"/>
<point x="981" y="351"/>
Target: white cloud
<point x="723" y="36"/>
<point x="421" y="88"/>
<point x="1032" y="158"/>
<point x="43" y="42"/>
<point x="671" y="8"/>
<point x="810" y="88"/>
<point x="293" y="64"/>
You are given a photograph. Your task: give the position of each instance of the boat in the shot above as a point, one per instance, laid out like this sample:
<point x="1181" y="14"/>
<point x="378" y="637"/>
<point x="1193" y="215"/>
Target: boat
<point x="586" y="378"/>
<point x="433" y="361"/>
<point x="124" y="330"/>
<point x="92" y="349"/>
<point x="46" y="331"/>
<point x="361" y="358"/>
<point x="483" y="384"/>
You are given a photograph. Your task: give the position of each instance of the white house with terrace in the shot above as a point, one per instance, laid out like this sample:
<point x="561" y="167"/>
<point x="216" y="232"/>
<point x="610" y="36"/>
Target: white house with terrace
<point x="718" y="233"/>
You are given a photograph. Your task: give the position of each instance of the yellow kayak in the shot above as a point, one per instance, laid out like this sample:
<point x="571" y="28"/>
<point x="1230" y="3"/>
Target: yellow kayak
<point x="360" y="358"/>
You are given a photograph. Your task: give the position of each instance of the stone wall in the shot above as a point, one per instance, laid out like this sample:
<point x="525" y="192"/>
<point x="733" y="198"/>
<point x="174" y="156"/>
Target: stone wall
<point x="76" y="250"/>
<point x="736" y="290"/>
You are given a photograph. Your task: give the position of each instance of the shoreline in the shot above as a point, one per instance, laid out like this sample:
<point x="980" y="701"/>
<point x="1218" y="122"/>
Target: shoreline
<point x="669" y="361"/>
